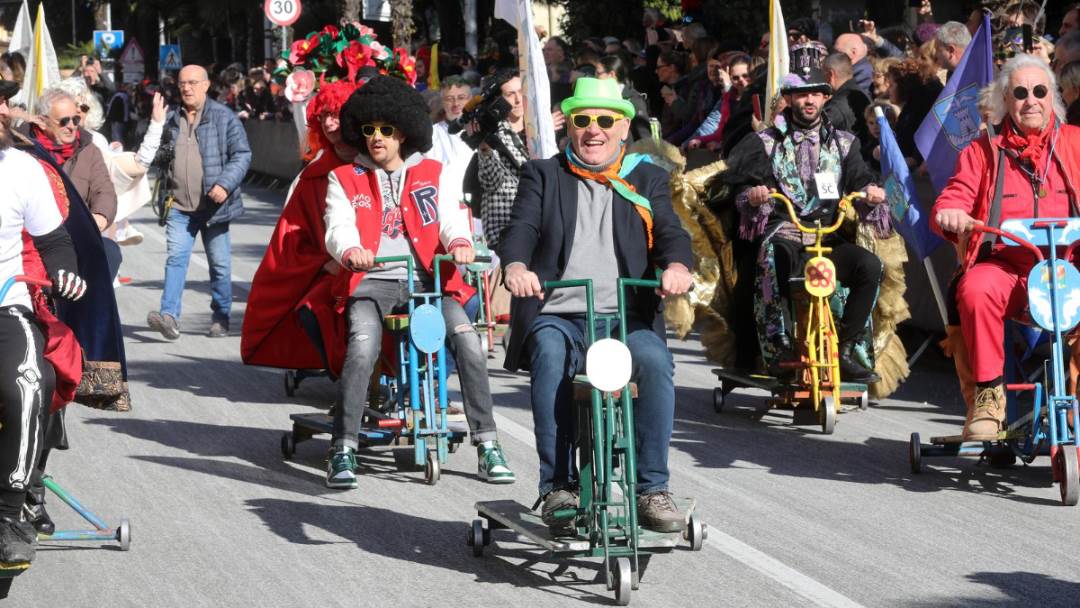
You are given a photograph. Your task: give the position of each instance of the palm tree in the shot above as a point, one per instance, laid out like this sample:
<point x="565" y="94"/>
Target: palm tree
<point x="401" y="17"/>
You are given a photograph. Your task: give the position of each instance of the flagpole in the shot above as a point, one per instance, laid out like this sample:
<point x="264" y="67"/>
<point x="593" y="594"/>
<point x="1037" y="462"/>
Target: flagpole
<point x="938" y="297"/>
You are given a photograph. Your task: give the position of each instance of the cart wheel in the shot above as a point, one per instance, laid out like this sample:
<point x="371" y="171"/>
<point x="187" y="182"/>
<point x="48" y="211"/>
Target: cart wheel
<point x="1070" y="476"/>
<point x="624" y="579"/>
<point x="828" y="415"/>
<point x="1001" y="456"/>
<point x="864" y="401"/>
<point x="290" y="383"/>
<point x="288" y="445"/>
<point x="431" y="469"/>
<point x="718" y="397"/>
<point x="123" y="534"/>
<point x="476" y="538"/>
<point x="695" y="533"/>
<point x="915" y="454"/>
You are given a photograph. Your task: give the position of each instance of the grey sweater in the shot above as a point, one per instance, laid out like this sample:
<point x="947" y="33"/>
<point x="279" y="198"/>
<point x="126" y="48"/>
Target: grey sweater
<point x="592" y="254"/>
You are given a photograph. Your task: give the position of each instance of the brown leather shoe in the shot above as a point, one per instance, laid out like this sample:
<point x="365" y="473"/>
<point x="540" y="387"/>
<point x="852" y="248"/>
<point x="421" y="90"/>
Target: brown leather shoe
<point x="984" y="420"/>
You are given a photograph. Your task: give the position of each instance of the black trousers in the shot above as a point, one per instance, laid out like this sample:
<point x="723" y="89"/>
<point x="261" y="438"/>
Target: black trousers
<point x="26" y="388"/>
<point x="856" y="268"/>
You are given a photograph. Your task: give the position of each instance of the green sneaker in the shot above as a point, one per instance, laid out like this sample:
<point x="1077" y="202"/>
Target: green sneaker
<point x="341" y="471"/>
<point x="491" y="465"/>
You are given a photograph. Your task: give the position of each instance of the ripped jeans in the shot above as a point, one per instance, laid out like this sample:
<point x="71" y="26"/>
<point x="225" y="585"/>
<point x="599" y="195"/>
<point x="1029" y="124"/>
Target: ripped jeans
<point x="376" y="298"/>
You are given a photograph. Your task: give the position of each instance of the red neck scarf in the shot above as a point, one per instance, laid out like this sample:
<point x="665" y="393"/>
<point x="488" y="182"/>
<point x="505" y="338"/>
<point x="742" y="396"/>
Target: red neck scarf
<point x="1032" y="147"/>
<point x="60" y="152"/>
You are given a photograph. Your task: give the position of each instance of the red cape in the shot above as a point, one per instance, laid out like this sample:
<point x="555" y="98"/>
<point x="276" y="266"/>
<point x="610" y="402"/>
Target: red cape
<point x="62" y="349"/>
<point x="291" y="277"/>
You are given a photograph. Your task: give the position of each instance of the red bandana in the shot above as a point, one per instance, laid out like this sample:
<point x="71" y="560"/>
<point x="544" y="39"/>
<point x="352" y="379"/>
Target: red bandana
<point x="1031" y="147"/>
<point x="60" y="152"/>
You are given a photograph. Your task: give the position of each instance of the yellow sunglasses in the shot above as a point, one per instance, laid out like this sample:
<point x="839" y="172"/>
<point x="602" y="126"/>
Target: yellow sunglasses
<point x="384" y="130"/>
<point x="604" y="121"/>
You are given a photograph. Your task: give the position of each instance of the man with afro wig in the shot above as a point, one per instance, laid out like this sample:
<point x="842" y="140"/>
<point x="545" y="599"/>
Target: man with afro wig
<point x="391" y="201"/>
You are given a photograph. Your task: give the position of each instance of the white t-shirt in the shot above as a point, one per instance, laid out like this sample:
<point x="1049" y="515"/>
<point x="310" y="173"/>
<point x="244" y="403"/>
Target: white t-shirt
<point x="452" y="152"/>
<point x="26" y="201"/>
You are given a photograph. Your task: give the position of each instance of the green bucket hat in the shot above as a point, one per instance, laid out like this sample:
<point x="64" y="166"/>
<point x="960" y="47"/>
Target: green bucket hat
<point x="597" y="93"/>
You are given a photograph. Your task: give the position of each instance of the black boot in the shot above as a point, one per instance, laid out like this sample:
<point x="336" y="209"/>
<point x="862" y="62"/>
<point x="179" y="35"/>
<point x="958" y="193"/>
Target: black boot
<point x="851" y="369"/>
<point x="38" y="517"/>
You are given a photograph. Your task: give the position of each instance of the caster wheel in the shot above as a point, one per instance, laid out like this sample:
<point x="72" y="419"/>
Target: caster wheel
<point x="290" y="383"/>
<point x="1070" y="475"/>
<point x="476" y="538"/>
<point x="1001" y="456"/>
<point x="915" y="454"/>
<point x="288" y="446"/>
<point x="624" y="579"/>
<point x="828" y="415"/>
<point x="718" y="397"/>
<point x="864" y="401"/>
<point x="695" y="533"/>
<point x="431" y="469"/>
<point x="123" y="534"/>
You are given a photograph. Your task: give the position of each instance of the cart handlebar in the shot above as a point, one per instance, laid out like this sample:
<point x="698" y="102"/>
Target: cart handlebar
<point x="1026" y="244"/>
<point x="844" y="203"/>
<point x="22" y="278"/>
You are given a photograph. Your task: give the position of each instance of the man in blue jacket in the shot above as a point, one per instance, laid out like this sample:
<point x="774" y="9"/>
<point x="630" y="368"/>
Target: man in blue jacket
<point x="594" y="212"/>
<point x="211" y="159"/>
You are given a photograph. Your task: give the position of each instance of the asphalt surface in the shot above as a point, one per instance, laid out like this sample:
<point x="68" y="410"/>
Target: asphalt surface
<point x="796" y="518"/>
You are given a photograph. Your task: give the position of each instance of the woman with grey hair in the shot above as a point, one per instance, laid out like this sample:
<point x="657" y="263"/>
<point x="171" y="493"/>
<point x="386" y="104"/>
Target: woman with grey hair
<point x="1027" y="169"/>
<point x="126" y="169"/>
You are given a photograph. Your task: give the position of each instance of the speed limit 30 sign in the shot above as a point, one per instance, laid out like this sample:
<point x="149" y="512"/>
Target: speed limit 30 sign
<point x="282" y="12"/>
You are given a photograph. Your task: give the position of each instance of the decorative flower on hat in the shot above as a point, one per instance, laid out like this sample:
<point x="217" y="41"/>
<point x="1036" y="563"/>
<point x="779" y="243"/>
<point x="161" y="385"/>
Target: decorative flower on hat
<point x="299" y="85"/>
<point x="338" y="53"/>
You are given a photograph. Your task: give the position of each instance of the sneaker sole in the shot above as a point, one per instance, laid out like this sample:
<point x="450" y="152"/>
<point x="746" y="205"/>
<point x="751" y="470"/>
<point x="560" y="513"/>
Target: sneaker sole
<point x="504" y="480"/>
<point x="341" y="485"/>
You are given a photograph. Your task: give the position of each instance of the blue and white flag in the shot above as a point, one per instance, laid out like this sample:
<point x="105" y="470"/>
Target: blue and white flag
<point x="908" y="216"/>
<point x="954" y="119"/>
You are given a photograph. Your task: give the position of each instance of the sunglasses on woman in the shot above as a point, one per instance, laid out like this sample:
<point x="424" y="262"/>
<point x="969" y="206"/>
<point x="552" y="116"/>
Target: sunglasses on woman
<point x="72" y="120"/>
<point x="384" y="130"/>
<point x="604" y="121"/>
<point x="1021" y="93"/>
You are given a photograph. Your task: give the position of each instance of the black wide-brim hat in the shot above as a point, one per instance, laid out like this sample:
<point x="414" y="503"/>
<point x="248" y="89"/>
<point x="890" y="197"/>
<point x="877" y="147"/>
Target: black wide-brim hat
<point x="391" y="101"/>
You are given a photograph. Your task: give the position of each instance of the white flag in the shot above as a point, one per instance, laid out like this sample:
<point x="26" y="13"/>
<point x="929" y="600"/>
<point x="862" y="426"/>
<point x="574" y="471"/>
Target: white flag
<point x="42" y="69"/>
<point x="539" y="128"/>
<point x="22" y="36"/>
<point x="779" y="59"/>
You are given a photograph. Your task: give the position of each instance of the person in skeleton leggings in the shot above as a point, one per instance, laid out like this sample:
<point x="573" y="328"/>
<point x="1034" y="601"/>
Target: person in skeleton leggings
<point x="26" y="380"/>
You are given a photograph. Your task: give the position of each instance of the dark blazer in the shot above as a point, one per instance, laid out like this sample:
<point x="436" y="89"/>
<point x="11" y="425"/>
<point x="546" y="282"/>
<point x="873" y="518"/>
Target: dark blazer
<point x="541" y="232"/>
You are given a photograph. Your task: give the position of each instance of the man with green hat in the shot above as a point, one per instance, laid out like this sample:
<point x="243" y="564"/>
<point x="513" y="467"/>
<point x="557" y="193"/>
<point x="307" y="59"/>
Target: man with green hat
<point x="595" y="212"/>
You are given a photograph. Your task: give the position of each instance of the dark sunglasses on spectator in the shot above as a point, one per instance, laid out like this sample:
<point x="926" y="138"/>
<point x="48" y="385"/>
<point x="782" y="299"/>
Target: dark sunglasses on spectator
<point x="604" y="121"/>
<point x="1039" y="91"/>
<point x="384" y="130"/>
<point x="73" y="120"/>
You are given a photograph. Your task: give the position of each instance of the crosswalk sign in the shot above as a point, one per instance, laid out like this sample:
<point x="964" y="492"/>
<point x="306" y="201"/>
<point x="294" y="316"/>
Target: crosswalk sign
<point x="169" y="57"/>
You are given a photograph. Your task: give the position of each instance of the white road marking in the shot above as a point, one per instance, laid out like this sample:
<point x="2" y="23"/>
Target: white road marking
<point x="734" y="548"/>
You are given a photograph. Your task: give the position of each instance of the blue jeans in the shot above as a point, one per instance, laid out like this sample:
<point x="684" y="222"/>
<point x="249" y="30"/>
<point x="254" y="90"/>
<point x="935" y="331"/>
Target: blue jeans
<point x="556" y="347"/>
<point x="180" y="231"/>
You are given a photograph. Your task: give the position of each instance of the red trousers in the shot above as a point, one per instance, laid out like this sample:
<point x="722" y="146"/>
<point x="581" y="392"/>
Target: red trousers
<point x="990" y="292"/>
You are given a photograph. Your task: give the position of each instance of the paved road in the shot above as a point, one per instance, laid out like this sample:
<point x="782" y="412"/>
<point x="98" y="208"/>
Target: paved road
<point x="797" y="518"/>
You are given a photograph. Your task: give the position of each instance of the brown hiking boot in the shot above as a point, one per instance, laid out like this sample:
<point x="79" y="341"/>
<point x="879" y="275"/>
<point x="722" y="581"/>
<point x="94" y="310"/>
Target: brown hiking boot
<point x="657" y="512"/>
<point x="984" y="420"/>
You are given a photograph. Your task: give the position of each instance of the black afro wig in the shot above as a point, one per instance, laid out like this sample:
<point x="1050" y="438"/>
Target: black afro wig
<point x="392" y="101"/>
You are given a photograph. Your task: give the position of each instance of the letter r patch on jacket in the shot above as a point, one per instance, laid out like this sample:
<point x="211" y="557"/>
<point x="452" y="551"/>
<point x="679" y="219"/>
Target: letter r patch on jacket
<point x="426" y="201"/>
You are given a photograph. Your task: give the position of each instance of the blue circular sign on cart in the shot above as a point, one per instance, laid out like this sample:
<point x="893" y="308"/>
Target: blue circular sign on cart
<point x="427" y="328"/>
<point x="1066" y="290"/>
